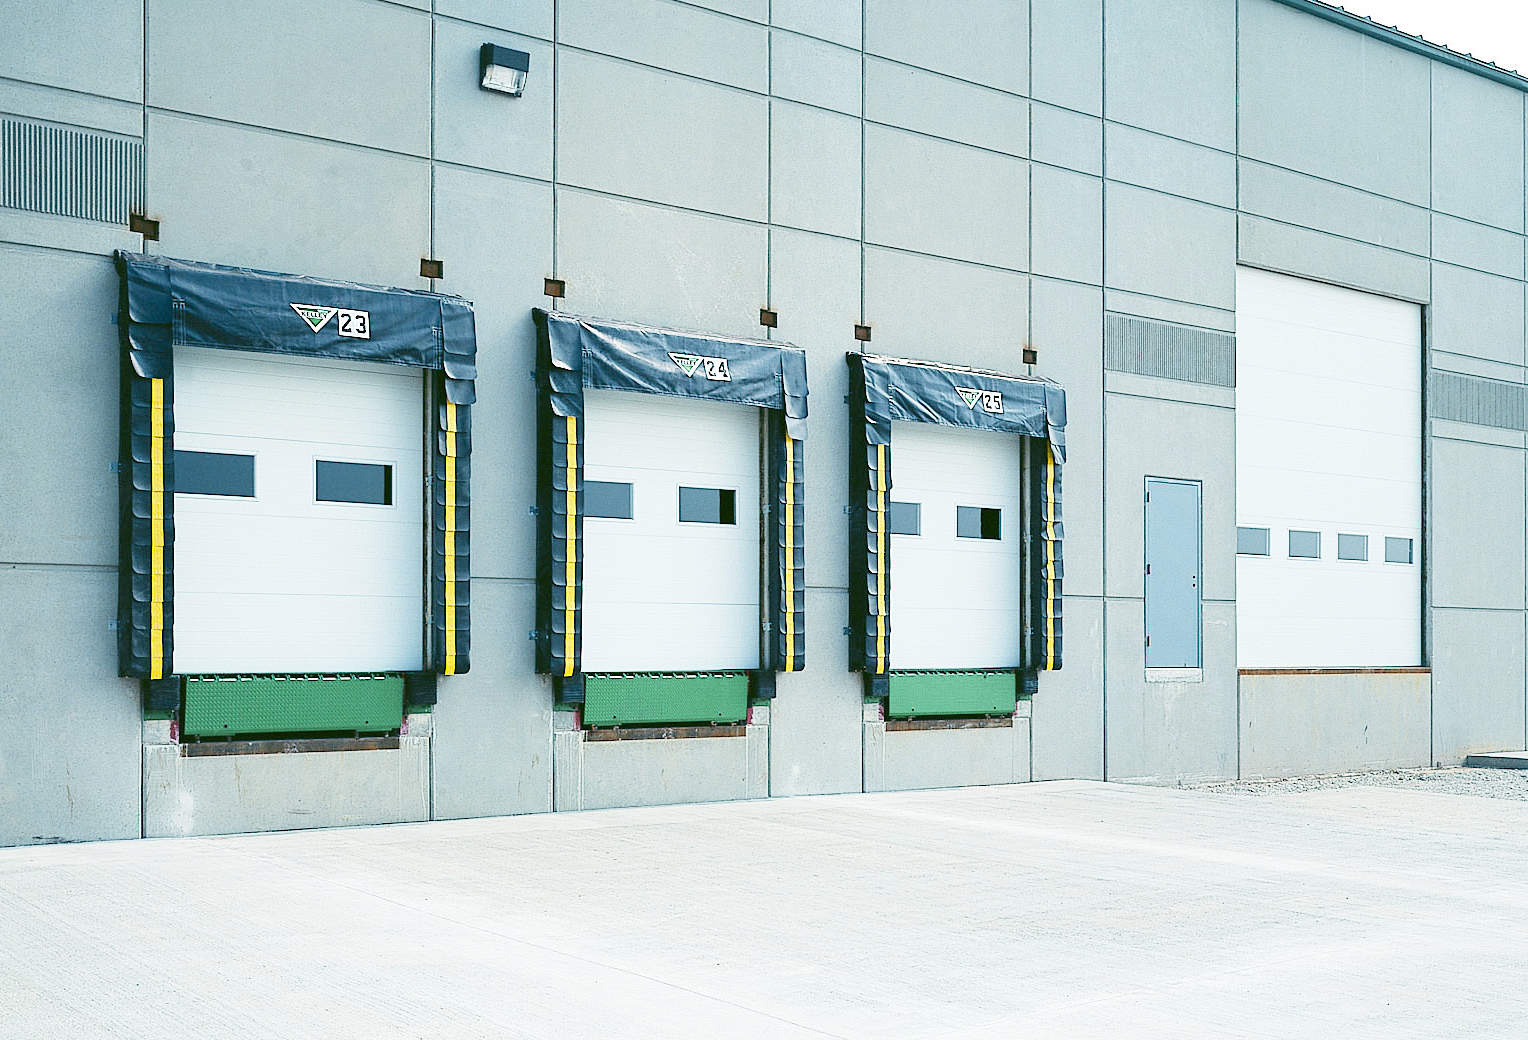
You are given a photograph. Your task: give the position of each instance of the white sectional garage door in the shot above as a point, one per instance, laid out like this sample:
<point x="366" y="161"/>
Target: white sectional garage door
<point x="307" y="554"/>
<point x="1328" y="475"/>
<point x="955" y="593"/>
<point x="672" y="568"/>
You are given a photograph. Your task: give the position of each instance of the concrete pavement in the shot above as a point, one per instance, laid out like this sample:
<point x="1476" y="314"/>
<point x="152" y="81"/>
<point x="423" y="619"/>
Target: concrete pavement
<point x="1067" y="909"/>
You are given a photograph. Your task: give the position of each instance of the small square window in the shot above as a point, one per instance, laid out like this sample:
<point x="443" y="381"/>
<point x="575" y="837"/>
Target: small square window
<point x="214" y="473"/>
<point x="979" y="522"/>
<point x="1397" y="550"/>
<point x="1305" y="545"/>
<point x="607" y="499"/>
<point x="361" y="483"/>
<point x="707" y="505"/>
<point x="1353" y="547"/>
<point x="905" y="518"/>
<point x="1254" y="541"/>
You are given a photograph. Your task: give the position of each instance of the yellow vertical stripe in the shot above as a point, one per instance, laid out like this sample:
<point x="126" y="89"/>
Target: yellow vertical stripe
<point x="790" y="555"/>
<point x="156" y="529"/>
<point x="450" y="464"/>
<point x="571" y="534"/>
<point x="880" y="557"/>
<point x="1050" y="559"/>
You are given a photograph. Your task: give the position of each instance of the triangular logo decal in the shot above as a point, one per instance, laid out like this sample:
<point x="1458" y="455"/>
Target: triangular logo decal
<point x="315" y="317"/>
<point x="969" y="396"/>
<point x="687" y="363"/>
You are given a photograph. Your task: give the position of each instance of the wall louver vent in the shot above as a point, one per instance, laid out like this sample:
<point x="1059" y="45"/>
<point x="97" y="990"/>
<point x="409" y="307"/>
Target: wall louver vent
<point x="70" y="173"/>
<point x="1156" y="348"/>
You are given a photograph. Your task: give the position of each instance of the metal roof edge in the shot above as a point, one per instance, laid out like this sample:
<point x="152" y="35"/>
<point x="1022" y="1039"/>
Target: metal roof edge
<point x="1406" y="41"/>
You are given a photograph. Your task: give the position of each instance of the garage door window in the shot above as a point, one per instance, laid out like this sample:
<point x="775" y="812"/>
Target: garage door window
<point x="607" y="499"/>
<point x="905" y="518"/>
<point x="707" y="505"/>
<point x="214" y="473"/>
<point x="359" y="483"/>
<point x="979" y="522"/>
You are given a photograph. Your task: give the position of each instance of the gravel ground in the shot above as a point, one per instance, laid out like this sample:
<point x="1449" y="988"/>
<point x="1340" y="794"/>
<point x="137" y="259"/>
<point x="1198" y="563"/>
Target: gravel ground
<point x="1480" y="783"/>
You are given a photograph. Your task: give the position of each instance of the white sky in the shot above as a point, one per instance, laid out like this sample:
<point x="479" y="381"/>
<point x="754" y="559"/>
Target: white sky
<point x="1493" y="30"/>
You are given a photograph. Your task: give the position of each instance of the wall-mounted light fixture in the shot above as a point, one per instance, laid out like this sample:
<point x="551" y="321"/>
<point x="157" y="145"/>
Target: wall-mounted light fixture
<point x="504" y="71"/>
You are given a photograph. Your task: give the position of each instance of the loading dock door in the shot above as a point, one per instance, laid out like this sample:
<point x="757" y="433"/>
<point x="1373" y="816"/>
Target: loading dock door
<point x="299" y="515"/>
<point x="671" y="534"/>
<point x="1173" y="586"/>
<point x="1328" y="476"/>
<point x="955" y="587"/>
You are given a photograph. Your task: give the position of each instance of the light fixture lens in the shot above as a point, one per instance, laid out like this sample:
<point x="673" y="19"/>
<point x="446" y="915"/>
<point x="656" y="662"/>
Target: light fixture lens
<point x="504" y="70"/>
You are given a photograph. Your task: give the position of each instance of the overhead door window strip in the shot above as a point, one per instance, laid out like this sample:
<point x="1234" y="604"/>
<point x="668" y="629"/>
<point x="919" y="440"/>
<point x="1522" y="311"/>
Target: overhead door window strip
<point x="167" y="303"/>
<point x="579" y="353"/>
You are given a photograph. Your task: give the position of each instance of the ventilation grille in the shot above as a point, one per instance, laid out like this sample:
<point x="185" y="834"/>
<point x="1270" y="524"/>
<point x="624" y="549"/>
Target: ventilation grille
<point x="1155" y="348"/>
<point x="1474" y="399"/>
<point x="70" y="173"/>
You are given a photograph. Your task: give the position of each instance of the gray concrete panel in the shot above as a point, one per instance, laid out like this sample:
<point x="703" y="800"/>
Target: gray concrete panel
<point x="638" y="262"/>
<point x="1067" y="225"/>
<point x="988" y="43"/>
<point x="58" y="501"/>
<point x="662" y="772"/>
<point x="1445" y="361"/>
<point x="259" y="199"/>
<point x="492" y="752"/>
<point x="667" y="35"/>
<point x="902" y="96"/>
<point x="1328" y="258"/>
<point x="91" y="48"/>
<point x="947" y="199"/>
<point x="1476" y="245"/>
<point x="1060" y="137"/>
<point x="815" y="72"/>
<point x="1477" y="148"/>
<point x="1162" y="245"/>
<point x="234" y="794"/>
<point x="1303" y="725"/>
<point x="1171" y="67"/>
<point x="922" y="759"/>
<point x="21" y="228"/>
<point x="907" y="302"/>
<point x="1067" y="52"/>
<point x="499" y="263"/>
<point x="680" y="140"/>
<point x="530" y="17"/>
<point x="477" y="127"/>
<point x="814" y="169"/>
<point x="1167" y="732"/>
<point x="752" y="10"/>
<point x="1329" y="101"/>
<point x="1067" y="329"/>
<point x="815" y="289"/>
<point x="69" y="753"/>
<point x="1150" y="160"/>
<point x="1478" y="315"/>
<point x="1472" y="433"/>
<point x="1478" y="695"/>
<point x="62" y="106"/>
<point x="835" y="20"/>
<point x="814" y="720"/>
<point x="1067" y="715"/>
<point x="1222" y="319"/>
<point x="290" y="65"/>
<point x="1148" y="437"/>
<point x="1477" y="526"/>
<point x="1295" y="198"/>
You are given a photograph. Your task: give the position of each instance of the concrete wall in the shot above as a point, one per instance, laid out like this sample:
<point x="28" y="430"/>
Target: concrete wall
<point x="963" y="184"/>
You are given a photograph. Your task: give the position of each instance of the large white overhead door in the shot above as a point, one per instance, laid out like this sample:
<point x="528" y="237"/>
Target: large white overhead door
<point x="955" y="566"/>
<point x="299" y="514"/>
<point x="1328" y="475"/>
<point x="671" y="534"/>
